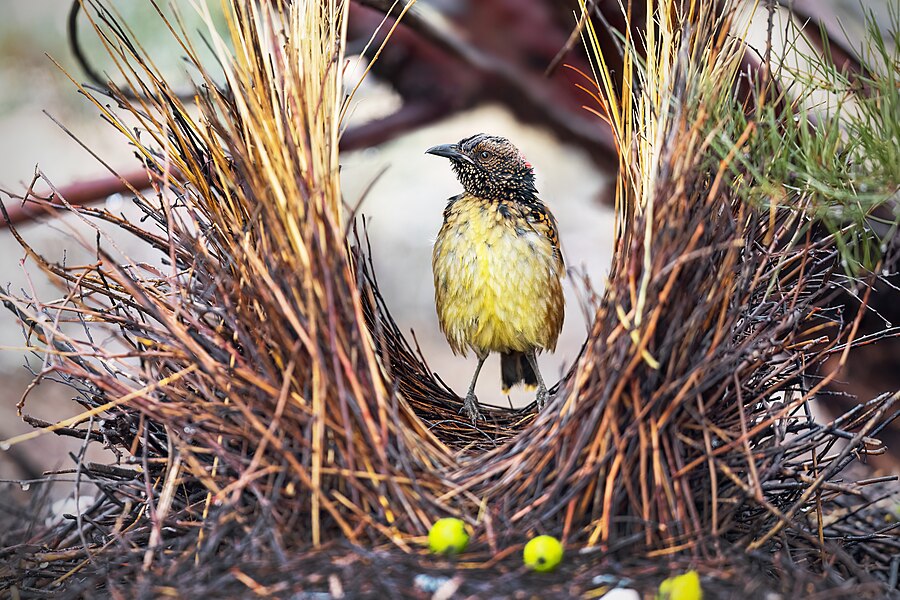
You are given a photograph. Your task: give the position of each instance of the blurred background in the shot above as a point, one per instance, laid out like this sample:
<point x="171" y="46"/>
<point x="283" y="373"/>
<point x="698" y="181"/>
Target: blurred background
<point x="457" y="68"/>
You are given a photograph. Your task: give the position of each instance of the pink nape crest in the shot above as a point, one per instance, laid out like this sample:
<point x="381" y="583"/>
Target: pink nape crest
<point x="524" y="160"/>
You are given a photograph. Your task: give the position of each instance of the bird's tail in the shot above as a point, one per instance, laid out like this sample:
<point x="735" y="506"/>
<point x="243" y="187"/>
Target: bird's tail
<point x="515" y="368"/>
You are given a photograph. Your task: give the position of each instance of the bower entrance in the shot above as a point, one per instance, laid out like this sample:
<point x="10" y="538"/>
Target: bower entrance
<point x="431" y="399"/>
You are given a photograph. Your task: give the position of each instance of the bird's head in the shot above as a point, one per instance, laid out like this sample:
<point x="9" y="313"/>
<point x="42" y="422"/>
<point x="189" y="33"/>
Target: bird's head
<point x="490" y="167"/>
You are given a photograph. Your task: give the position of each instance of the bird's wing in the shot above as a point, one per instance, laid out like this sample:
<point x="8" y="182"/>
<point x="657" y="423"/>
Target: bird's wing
<point x="543" y="222"/>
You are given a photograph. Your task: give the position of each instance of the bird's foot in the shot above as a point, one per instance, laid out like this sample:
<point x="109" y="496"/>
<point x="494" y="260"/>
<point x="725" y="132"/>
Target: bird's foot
<point x="541" y="397"/>
<point x="470" y="407"/>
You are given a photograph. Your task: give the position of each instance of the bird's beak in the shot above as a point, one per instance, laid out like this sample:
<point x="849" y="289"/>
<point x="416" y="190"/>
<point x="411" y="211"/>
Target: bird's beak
<point x="450" y="151"/>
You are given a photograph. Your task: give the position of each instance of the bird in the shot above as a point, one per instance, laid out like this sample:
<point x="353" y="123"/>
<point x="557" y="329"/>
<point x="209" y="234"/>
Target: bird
<point x="497" y="264"/>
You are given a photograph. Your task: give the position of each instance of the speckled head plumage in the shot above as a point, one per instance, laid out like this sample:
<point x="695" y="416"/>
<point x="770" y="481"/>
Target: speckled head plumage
<point x="490" y="167"/>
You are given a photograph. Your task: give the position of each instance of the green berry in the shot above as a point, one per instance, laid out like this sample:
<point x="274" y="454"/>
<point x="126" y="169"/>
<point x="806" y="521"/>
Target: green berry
<point x="681" y="587"/>
<point x="448" y="536"/>
<point x="543" y="553"/>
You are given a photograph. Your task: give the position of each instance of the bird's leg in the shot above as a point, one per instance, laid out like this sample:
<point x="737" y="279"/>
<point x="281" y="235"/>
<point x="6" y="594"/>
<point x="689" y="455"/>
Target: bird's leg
<point x="542" y="394"/>
<point x="471" y="403"/>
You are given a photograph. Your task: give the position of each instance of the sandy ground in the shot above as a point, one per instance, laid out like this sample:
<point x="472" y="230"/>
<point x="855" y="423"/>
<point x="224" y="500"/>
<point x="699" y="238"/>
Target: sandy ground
<point x="404" y="208"/>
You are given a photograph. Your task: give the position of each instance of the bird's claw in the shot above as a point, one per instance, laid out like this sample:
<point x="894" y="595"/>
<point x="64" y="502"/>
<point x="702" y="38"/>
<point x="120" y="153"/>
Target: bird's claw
<point x="541" y="397"/>
<point x="470" y="407"/>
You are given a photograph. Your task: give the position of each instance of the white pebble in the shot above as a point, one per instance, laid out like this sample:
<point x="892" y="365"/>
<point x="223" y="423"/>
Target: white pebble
<point x="621" y="594"/>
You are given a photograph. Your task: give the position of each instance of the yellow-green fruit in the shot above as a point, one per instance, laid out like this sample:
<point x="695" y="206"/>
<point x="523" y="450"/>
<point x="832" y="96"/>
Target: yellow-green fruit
<point x="448" y="536"/>
<point x="681" y="587"/>
<point x="543" y="553"/>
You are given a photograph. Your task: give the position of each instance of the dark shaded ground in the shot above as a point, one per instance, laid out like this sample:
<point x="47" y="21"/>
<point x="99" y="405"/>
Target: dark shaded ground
<point x="231" y="565"/>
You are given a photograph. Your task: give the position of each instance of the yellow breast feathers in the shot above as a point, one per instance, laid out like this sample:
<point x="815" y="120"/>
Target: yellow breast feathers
<point x="497" y="270"/>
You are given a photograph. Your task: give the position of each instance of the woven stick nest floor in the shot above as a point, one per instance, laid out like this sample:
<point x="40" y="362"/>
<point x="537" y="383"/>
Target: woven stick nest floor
<point x="278" y="433"/>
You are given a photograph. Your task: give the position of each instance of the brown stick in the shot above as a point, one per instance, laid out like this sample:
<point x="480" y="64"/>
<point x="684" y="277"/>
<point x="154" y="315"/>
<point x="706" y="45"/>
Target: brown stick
<point x="77" y="194"/>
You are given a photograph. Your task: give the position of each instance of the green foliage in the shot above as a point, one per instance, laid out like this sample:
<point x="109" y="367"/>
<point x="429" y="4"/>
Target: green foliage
<point x="828" y="145"/>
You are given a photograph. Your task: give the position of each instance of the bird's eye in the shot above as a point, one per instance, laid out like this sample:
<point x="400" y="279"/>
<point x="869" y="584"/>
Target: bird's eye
<point x="485" y="154"/>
